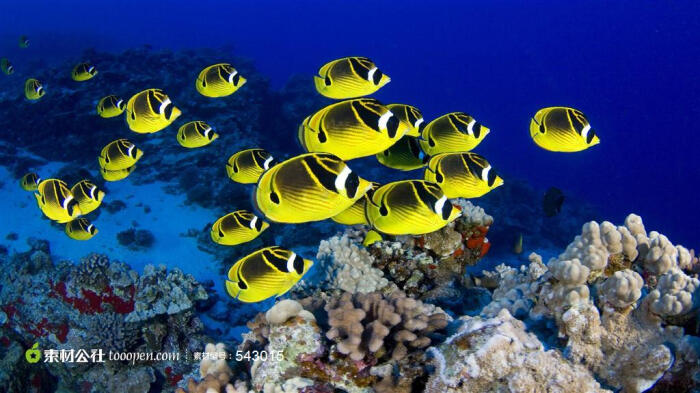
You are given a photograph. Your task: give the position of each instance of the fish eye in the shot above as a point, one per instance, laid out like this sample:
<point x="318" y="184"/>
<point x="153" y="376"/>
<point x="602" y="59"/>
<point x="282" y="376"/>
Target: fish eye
<point x="120" y="105"/>
<point x="446" y="210"/>
<point x="590" y="136"/>
<point x="377" y="77"/>
<point x="327" y="81"/>
<point x="275" y="198"/>
<point x="383" y="210"/>
<point x="298" y="264"/>
<point x="72" y="205"/>
<point x="236" y="79"/>
<point x="168" y="111"/>
<point x="477" y="129"/>
<point x="258" y="225"/>
<point x="491" y="177"/>
<point x="351" y="184"/>
<point x="392" y="126"/>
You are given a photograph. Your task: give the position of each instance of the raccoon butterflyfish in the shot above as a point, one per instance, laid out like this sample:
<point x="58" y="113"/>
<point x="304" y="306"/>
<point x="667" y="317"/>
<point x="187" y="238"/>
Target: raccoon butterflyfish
<point x="33" y="89"/>
<point x="195" y="134"/>
<point x="56" y="201"/>
<point x="30" y="181"/>
<point x="80" y="229"/>
<point x="246" y="166"/>
<point x="351" y="129"/>
<point x="409" y="115"/>
<point x="462" y="175"/>
<point x="349" y="77"/>
<point x="23" y="42"/>
<point x="271" y="271"/>
<point x="371" y="237"/>
<point x="355" y="214"/>
<point x="6" y="67"/>
<point x="552" y="201"/>
<point x="83" y="71"/>
<point x="405" y="155"/>
<point x="409" y="207"/>
<point x="119" y="154"/>
<point x="219" y="80"/>
<point x="562" y="129"/>
<point x="87" y="194"/>
<point x="309" y="187"/>
<point x="150" y="111"/>
<point x="238" y="227"/>
<point x="116" y="175"/>
<point x="110" y="106"/>
<point x="453" y="132"/>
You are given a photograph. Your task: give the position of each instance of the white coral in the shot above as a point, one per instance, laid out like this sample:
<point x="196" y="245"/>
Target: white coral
<point x="348" y="266"/>
<point x="621" y="290"/>
<point x="659" y="254"/>
<point x="674" y="294"/>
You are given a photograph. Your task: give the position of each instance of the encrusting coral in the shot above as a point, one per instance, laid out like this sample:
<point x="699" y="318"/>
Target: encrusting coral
<point x="594" y="292"/>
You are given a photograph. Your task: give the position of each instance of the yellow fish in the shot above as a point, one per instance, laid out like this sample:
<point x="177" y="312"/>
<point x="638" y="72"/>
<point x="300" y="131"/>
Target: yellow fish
<point x="33" y="89"/>
<point x="83" y="72"/>
<point x="246" y="166"/>
<point x="404" y="155"/>
<point x="562" y="129"/>
<point x="6" y="66"/>
<point x="119" y="154"/>
<point x="349" y="77"/>
<point x="409" y="115"/>
<point x="309" y="187"/>
<point x="453" y="132"/>
<point x="462" y="175"/>
<point x="196" y="134"/>
<point x="110" y="106"/>
<point x="410" y="207"/>
<point x="351" y="129"/>
<point x="80" y="229"/>
<point x="87" y="194"/>
<point x="56" y="201"/>
<point x="271" y="271"/>
<point x="150" y="111"/>
<point x="355" y="214"/>
<point x="372" y="237"/>
<point x="238" y="227"/>
<point x="30" y="181"/>
<point x="219" y="80"/>
<point x="116" y="175"/>
<point x="23" y="42"/>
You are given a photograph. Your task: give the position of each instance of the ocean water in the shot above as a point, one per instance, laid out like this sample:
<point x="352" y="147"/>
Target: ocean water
<point x="630" y="66"/>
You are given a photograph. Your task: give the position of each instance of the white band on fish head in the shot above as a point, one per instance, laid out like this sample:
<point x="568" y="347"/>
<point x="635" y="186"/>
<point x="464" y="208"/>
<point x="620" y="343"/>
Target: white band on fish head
<point x="130" y="150"/>
<point x="231" y="75"/>
<point x="207" y="131"/>
<point x="290" y="262"/>
<point x="89" y="228"/>
<point x="253" y="221"/>
<point x="93" y="189"/>
<point x="266" y="164"/>
<point x="119" y="103"/>
<point x="370" y="74"/>
<point x="91" y="69"/>
<point x="66" y="202"/>
<point x="584" y="132"/>
<point x="164" y="105"/>
<point x="440" y="204"/>
<point x="384" y="119"/>
<point x="342" y="178"/>
<point x="418" y="123"/>
<point x="485" y="173"/>
<point x="470" y="127"/>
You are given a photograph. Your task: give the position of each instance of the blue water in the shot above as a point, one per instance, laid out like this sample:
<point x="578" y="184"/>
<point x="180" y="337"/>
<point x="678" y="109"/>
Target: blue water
<point x="631" y="66"/>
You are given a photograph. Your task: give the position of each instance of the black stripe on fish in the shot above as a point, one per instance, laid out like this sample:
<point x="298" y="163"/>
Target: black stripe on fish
<point x="325" y="178"/>
<point x="367" y="116"/>
<point x="360" y="69"/>
<point x="278" y="262"/>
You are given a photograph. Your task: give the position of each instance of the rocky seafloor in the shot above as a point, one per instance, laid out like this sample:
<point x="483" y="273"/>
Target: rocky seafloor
<point x="589" y="306"/>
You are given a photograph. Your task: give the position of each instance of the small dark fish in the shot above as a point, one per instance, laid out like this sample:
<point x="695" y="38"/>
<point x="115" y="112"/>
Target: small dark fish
<point x="552" y="201"/>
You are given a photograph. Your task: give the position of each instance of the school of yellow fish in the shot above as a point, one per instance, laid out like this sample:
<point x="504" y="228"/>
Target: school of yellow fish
<point x="317" y="184"/>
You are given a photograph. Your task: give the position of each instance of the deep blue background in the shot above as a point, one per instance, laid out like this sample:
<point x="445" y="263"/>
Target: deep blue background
<point x="631" y="66"/>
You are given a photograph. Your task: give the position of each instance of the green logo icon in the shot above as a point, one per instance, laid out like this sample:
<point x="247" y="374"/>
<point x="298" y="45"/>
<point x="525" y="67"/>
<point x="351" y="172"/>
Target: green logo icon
<point x="33" y="354"/>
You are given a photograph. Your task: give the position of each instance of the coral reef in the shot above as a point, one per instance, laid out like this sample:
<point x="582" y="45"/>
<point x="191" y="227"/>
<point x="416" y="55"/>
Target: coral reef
<point x="618" y="298"/>
<point x="101" y="304"/>
<point x="498" y="355"/>
<point x="356" y="342"/>
<point x="214" y="372"/>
